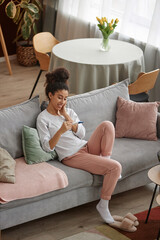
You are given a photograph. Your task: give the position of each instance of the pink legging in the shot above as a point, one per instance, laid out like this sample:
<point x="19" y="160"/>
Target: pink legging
<point x="91" y="158"/>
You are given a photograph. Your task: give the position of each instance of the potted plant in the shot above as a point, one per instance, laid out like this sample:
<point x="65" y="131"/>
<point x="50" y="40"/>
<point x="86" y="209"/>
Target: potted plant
<point x="24" y="13"/>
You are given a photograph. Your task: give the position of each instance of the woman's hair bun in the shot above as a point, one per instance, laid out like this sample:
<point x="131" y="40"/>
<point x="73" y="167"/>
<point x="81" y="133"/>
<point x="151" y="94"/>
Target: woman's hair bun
<point x="58" y="75"/>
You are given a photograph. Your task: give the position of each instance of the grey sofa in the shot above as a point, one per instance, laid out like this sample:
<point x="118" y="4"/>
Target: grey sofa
<point x="136" y="156"/>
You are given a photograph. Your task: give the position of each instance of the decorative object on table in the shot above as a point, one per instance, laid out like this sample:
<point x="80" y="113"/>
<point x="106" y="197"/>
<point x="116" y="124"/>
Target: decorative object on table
<point x="107" y="28"/>
<point x="24" y="14"/>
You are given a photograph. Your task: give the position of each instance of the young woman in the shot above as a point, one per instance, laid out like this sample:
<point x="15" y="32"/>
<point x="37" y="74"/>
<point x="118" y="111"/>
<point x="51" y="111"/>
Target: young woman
<point x="59" y="129"/>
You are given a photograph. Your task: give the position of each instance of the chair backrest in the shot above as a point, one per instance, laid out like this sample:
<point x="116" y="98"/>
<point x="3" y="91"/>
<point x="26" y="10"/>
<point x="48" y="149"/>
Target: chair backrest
<point x="144" y="82"/>
<point x="44" y="41"/>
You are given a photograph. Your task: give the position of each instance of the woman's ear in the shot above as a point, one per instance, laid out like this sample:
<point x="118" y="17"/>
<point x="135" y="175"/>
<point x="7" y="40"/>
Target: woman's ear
<point x="50" y="95"/>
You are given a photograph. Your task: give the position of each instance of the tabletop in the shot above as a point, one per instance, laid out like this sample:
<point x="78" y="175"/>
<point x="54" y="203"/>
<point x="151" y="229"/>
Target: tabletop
<point x="158" y="199"/>
<point x="154" y="174"/>
<point x="91" y="68"/>
<point x="87" y="51"/>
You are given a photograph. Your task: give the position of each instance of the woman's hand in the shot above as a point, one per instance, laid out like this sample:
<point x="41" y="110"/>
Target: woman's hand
<point x="67" y="125"/>
<point x="63" y="110"/>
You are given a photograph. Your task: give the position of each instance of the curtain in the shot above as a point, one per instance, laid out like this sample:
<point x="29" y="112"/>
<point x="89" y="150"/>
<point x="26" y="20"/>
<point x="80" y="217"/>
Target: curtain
<point x="138" y="19"/>
<point x="138" y="24"/>
<point x="49" y="15"/>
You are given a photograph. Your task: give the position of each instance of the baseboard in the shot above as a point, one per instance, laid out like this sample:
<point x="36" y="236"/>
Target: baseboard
<point x="11" y="57"/>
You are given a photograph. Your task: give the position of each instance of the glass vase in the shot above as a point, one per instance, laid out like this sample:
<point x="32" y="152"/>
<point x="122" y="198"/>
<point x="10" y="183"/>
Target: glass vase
<point x="105" y="46"/>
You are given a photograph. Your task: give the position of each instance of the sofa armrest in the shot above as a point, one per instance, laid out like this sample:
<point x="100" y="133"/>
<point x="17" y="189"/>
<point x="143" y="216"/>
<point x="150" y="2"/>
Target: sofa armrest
<point x="158" y="124"/>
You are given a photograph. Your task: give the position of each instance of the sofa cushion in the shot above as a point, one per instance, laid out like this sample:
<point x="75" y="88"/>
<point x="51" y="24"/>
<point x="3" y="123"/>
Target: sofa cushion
<point x="7" y="167"/>
<point x="136" y="120"/>
<point x="135" y="155"/>
<point x="98" y="105"/>
<point x="32" y="149"/>
<point x="12" y="120"/>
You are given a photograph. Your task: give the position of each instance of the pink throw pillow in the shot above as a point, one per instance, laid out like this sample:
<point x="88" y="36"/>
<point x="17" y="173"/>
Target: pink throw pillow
<point x="136" y="120"/>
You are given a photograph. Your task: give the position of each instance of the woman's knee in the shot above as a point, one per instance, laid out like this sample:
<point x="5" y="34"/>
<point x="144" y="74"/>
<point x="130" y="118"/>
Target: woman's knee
<point x="118" y="167"/>
<point x="108" y="126"/>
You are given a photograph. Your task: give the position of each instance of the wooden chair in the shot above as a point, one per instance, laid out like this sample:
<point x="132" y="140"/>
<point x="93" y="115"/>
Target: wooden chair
<point x="43" y="43"/>
<point x="4" y="48"/>
<point x="138" y="90"/>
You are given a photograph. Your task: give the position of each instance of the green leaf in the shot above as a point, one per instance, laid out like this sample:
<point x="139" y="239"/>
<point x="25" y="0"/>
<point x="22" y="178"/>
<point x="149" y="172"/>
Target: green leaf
<point x="17" y="16"/>
<point x="1" y="2"/>
<point x="20" y="18"/>
<point x="27" y="1"/>
<point x="10" y="9"/>
<point x="35" y="16"/>
<point x="26" y="31"/>
<point x="33" y="8"/>
<point x="34" y="28"/>
<point x="39" y="4"/>
<point x="27" y="19"/>
<point x="24" y="5"/>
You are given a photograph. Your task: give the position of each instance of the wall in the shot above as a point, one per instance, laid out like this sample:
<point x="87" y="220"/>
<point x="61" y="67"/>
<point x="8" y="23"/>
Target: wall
<point x="9" y="31"/>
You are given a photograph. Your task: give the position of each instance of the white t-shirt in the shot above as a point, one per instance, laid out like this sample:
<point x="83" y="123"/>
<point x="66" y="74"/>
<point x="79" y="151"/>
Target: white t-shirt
<point x="69" y="142"/>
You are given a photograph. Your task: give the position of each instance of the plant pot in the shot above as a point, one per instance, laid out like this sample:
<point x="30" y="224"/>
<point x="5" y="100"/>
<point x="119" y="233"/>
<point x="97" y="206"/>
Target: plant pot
<point x="25" y="54"/>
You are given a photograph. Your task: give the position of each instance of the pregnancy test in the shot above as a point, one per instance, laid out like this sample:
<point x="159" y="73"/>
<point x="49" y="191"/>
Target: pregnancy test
<point x="77" y="122"/>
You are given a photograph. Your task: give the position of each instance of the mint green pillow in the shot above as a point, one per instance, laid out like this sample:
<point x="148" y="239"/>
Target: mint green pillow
<point x="32" y="149"/>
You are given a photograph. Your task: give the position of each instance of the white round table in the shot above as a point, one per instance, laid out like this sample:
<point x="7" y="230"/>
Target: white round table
<point x="91" y="68"/>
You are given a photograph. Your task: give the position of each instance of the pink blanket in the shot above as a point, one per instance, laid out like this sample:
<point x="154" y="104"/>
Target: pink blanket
<point x="32" y="180"/>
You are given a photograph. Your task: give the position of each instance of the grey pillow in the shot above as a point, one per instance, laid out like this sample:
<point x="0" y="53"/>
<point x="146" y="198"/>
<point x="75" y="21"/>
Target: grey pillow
<point x="98" y="105"/>
<point x="12" y="120"/>
<point x="7" y="167"/>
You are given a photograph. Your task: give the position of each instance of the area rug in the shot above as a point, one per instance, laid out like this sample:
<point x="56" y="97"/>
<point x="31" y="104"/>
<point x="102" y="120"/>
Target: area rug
<point x="144" y="231"/>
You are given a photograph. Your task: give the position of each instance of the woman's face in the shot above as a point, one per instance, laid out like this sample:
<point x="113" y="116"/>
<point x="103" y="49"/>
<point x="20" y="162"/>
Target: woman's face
<point x="59" y="99"/>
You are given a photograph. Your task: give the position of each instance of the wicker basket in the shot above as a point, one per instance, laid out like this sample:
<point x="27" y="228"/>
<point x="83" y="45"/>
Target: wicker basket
<point x="26" y="55"/>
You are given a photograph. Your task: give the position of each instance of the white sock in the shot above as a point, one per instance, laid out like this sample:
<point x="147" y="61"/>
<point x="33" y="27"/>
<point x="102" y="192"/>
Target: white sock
<point x="102" y="208"/>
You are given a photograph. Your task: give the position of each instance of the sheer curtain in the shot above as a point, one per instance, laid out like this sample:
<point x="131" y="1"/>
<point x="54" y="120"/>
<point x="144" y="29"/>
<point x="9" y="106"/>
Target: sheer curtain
<point x="139" y="19"/>
<point x="138" y="24"/>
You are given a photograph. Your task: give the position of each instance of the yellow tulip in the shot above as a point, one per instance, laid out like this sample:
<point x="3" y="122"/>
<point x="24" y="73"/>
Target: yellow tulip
<point x="110" y="24"/>
<point x="116" y="21"/>
<point x="105" y="19"/>
<point x="98" y="19"/>
<point x="101" y="22"/>
<point x="111" y="28"/>
<point x="112" y="20"/>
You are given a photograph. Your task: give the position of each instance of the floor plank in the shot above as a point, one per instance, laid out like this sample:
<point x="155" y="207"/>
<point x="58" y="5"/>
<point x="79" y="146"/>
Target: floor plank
<point x="16" y="88"/>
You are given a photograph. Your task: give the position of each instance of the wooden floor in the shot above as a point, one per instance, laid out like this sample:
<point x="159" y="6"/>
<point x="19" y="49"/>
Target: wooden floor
<point x="15" y="89"/>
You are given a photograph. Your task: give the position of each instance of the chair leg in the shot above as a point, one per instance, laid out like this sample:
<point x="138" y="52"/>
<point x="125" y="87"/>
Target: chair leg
<point x="158" y="237"/>
<point x="151" y="203"/>
<point x="36" y="83"/>
<point x="0" y="235"/>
